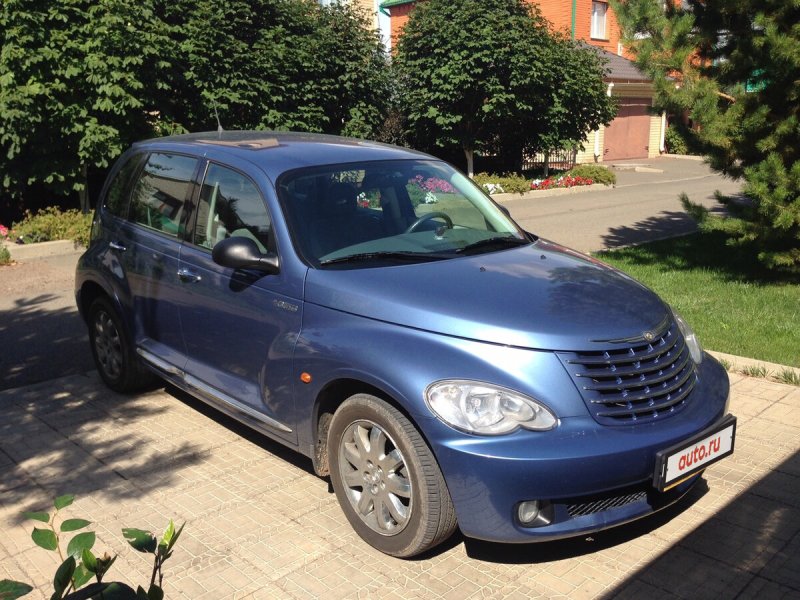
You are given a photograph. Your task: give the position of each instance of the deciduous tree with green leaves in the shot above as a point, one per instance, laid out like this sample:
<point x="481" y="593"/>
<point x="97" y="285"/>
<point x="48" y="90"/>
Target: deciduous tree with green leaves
<point x="489" y="74"/>
<point x="272" y="64"/>
<point x="72" y="88"/>
<point x="733" y="66"/>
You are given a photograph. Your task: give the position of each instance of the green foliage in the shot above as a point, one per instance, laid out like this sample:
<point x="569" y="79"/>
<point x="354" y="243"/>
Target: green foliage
<point x="81" y="79"/>
<point x="272" y="64"/>
<point x="72" y="87"/>
<point x="675" y="141"/>
<point x="54" y="224"/>
<point x="732" y="65"/>
<point x="489" y="75"/>
<point x="5" y="258"/>
<point x="597" y="173"/>
<point x="81" y="564"/>
<point x="734" y="303"/>
<point x="508" y="182"/>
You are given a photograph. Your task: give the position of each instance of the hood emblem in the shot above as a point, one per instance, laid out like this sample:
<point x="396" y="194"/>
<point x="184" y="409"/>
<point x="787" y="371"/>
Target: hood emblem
<point x="649" y="336"/>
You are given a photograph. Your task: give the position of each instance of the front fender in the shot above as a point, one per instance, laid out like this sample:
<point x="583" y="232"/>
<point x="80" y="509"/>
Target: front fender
<point x="402" y="362"/>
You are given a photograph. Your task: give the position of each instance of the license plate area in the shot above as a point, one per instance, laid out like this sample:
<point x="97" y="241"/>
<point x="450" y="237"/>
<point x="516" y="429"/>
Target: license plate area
<point x="679" y="462"/>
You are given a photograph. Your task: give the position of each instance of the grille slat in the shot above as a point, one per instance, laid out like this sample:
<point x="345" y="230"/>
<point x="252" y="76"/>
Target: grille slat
<point x="634" y="383"/>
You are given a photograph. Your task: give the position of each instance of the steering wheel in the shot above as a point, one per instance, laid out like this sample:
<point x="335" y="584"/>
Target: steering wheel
<point x="431" y="215"/>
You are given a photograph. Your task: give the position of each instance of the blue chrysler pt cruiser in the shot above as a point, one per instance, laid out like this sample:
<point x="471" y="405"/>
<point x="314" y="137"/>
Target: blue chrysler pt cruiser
<point x="373" y="309"/>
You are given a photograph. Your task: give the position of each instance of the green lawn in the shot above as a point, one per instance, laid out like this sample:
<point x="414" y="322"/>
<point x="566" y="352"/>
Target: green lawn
<point x="734" y="305"/>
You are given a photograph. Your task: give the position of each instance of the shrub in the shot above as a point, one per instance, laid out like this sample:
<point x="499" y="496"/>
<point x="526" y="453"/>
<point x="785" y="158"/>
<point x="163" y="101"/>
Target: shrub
<point x="597" y="173"/>
<point x="54" y="224"/>
<point x="508" y="183"/>
<point x="5" y="256"/>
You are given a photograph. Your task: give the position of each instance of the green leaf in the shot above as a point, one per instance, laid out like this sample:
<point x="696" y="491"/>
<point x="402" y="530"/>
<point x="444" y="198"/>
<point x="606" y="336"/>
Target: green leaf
<point x="141" y="594"/>
<point x="63" y="577"/>
<point x="155" y="593"/>
<point x="11" y="590"/>
<point x="44" y="538"/>
<point x="89" y="560"/>
<point x="74" y="524"/>
<point x="140" y="540"/>
<point x="38" y="516"/>
<point x="81" y="576"/>
<point x="63" y="501"/>
<point x="79" y="542"/>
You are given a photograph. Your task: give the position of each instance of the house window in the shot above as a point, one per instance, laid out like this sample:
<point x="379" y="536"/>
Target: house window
<point x="599" y="10"/>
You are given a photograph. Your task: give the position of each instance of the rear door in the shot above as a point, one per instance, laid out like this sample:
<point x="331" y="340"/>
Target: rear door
<point x="148" y="248"/>
<point x="239" y="326"/>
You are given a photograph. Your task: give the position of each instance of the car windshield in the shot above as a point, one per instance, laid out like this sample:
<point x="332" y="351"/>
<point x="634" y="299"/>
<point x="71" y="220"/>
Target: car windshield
<point x="365" y="214"/>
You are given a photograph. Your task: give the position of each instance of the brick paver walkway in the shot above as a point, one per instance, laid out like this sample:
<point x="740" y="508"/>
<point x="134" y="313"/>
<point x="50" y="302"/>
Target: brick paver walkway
<point x="259" y="524"/>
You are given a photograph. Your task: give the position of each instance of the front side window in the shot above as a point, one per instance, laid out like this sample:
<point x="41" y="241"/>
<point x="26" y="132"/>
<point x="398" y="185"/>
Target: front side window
<point x="160" y="194"/>
<point x="397" y="211"/>
<point x="230" y="206"/>
<point x="599" y="10"/>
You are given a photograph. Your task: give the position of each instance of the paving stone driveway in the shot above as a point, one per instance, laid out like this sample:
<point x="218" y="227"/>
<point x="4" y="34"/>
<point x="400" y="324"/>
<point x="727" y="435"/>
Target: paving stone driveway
<point x="259" y="524"/>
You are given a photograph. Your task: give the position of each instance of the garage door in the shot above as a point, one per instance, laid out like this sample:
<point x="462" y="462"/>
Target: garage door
<point x="628" y="135"/>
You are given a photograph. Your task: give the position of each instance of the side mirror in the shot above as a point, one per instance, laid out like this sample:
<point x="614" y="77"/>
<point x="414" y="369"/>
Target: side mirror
<point x="243" y="253"/>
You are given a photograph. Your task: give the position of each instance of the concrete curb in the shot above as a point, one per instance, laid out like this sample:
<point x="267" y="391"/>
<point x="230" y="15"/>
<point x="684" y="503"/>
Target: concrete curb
<point x="749" y="366"/>
<point x="533" y="194"/>
<point x="42" y="249"/>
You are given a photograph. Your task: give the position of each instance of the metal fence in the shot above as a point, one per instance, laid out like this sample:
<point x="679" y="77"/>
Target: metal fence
<point x="561" y="160"/>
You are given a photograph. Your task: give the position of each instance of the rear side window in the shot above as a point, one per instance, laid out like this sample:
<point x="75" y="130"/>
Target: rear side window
<point x="230" y="205"/>
<point x="117" y="196"/>
<point x="158" y="200"/>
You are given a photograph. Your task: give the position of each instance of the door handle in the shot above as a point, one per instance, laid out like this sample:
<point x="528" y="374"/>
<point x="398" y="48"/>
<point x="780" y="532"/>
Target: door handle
<point x="117" y="246"/>
<point x="188" y="276"/>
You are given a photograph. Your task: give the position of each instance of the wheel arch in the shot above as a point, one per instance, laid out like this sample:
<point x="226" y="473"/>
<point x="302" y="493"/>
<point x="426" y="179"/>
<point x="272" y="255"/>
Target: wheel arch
<point x="328" y="400"/>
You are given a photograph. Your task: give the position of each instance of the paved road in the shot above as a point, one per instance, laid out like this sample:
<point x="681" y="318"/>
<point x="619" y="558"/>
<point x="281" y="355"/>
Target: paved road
<point x="644" y="206"/>
<point x="41" y="334"/>
<point x="260" y="525"/>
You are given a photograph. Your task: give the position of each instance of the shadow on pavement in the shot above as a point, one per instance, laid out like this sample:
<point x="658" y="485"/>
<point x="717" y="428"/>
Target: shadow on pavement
<point x="78" y="438"/>
<point x="755" y="539"/>
<point x="41" y="343"/>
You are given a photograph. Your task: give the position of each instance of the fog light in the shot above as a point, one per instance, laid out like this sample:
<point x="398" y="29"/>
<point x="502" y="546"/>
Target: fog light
<point x="527" y="512"/>
<point x="535" y="513"/>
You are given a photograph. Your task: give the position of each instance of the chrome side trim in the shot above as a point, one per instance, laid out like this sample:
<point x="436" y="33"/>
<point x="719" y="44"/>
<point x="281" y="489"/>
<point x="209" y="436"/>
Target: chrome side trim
<point x="219" y="396"/>
<point x="159" y="364"/>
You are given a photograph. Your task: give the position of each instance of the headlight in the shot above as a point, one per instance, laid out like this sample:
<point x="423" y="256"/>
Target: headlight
<point x="486" y="409"/>
<point x="692" y="343"/>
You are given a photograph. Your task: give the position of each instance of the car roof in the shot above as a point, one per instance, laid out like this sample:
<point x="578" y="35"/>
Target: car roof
<point x="276" y="152"/>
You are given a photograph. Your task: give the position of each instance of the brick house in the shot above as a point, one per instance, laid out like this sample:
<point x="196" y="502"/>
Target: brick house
<point x="634" y="133"/>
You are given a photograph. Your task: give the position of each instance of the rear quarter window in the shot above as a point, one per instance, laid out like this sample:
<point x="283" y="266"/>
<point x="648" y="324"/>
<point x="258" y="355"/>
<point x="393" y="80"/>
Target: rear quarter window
<point x="118" y="194"/>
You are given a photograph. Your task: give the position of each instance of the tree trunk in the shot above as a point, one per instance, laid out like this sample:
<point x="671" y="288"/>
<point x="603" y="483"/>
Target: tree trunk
<point x="83" y="194"/>
<point x="470" y="154"/>
<point x="546" y="164"/>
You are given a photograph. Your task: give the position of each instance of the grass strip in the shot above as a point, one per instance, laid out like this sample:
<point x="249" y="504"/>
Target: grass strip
<point x="733" y="303"/>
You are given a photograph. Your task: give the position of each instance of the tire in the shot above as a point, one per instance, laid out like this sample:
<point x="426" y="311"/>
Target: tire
<point x="112" y="350"/>
<point x="386" y="478"/>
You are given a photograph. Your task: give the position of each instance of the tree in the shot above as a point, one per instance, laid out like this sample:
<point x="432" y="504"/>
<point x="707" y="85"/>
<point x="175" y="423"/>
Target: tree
<point x="272" y="64"/>
<point x="72" y="91"/>
<point x="488" y="74"/>
<point x="733" y="66"/>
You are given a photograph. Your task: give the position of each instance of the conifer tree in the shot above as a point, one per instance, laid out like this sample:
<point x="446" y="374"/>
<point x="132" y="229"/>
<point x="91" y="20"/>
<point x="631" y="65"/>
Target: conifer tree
<point x="733" y="66"/>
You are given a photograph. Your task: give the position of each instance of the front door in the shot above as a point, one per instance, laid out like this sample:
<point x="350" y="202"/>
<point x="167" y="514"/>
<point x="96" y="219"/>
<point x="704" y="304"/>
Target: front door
<point x="239" y="328"/>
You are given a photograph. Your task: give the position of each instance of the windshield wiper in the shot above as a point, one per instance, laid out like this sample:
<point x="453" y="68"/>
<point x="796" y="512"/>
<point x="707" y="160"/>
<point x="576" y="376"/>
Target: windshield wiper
<point x="392" y="255"/>
<point x="494" y="242"/>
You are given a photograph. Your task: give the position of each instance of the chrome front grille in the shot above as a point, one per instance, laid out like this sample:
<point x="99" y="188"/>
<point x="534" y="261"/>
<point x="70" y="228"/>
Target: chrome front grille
<point x="637" y="382"/>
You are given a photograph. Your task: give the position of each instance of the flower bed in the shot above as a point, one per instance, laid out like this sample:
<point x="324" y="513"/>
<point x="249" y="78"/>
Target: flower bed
<point x="565" y="181"/>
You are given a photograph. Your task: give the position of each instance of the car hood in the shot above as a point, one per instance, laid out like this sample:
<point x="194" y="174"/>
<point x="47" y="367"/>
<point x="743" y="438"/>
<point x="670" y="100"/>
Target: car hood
<point x="541" y="296"/>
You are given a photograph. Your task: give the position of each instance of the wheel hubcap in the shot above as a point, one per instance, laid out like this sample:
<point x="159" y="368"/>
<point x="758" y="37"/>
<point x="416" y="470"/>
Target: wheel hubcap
<point x="108" y="345"/>
<point x="376" y="477"/>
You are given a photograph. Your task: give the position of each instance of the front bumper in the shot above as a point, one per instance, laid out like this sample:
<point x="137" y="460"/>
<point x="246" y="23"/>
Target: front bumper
<point x="591" y="476"/>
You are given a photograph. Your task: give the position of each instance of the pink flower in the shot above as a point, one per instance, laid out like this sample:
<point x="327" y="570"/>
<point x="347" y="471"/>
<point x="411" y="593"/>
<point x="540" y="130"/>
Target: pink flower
<point x="3" y="231"/>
